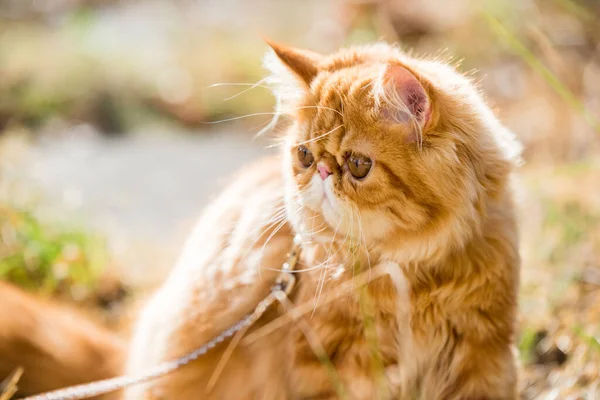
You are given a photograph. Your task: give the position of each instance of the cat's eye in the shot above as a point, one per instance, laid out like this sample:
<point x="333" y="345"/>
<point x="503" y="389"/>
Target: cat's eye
<point x="305" y="156"/>
<point x="359" y="165"/>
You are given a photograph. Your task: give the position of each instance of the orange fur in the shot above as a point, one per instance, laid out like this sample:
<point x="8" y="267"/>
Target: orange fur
<point x="435" y="211"/>
<point x="55" y="346"/>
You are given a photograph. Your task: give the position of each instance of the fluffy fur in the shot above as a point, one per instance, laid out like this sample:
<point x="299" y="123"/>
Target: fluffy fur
<point x="435" y="213"/>
<point x="431" y="228"/>
<point x="55" y="346"/>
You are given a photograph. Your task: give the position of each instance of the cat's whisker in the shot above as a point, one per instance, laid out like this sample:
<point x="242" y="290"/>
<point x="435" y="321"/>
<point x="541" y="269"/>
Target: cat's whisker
<point x="241" y="117"/>
<point x="335" y="233"/>
<point x="325" y="263"/>
<point x="320" y="285"/>
<point x="321" y="136"/>
<point x="267" y="228"/>
<point x="262" y="250"/>
<point x="277" y="229"/>
<point x="329" y="255"/>
<point x="356" y="247"/>
<point x="252" y="86"/>
<point x="236" y="84"/>
<point x="319" y="108"/>
<point x="260" y="128"/>
<point x="296" y="270"/>
<point x="323" y="274"/>
<point x="315" y="267"/>
<point x="272" y="123"/>
<point x="308" y="234"/>
<point x="340" y="246"/>
<point x="319" y="265"/>
<point x="281" y="224"/>
<point x="278" y="212"/>
<point x="312" y="232"/>
<point x="269" y="124"/>
<point x="278" y="216"/>
<point x="272" y="146"/>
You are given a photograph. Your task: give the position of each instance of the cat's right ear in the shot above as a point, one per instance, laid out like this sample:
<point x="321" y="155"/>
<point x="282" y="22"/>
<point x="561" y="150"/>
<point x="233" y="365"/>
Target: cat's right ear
<point x="402" y="97"/>
<point x="304" y="64"/>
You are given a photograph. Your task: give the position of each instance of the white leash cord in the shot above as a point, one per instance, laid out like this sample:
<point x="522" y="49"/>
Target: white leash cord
<point x="284" y="283"/>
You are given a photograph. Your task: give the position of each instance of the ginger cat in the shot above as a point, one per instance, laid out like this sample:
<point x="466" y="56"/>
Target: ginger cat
<point x="391" y="164"/>
<point x="393" y="170"/>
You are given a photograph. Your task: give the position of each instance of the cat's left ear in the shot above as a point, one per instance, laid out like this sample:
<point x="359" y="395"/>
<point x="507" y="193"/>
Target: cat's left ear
<point x="303" y="63"/>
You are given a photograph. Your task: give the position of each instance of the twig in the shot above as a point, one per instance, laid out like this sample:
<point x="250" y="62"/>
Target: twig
<point x="8" y="387"/>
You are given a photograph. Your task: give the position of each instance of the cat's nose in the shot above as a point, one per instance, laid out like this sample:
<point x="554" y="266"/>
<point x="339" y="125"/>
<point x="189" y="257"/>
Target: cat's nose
<point x="323" y="171"/>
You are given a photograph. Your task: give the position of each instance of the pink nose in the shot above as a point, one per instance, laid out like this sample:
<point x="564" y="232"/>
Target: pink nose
<point x="323" y="171"/>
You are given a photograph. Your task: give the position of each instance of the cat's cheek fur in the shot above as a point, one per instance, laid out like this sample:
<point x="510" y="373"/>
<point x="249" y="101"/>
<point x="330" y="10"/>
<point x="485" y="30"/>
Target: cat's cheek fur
<point x="318" y="196"/>
<point x="312" y="194"/>
<point x="291" y="195"/>
<point x="333" y="210"/>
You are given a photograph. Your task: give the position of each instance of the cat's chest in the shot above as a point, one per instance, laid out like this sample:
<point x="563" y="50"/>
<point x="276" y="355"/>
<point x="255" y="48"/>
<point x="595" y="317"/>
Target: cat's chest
<point x="355" y="328"/>
<point x="366" y="303"/>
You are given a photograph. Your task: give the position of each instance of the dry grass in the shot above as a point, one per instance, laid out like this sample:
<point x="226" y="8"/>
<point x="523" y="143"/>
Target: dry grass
<point x="560" y="296"/>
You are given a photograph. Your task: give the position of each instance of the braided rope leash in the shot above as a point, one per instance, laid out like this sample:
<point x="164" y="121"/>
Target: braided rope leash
<point x="283" y="284"/>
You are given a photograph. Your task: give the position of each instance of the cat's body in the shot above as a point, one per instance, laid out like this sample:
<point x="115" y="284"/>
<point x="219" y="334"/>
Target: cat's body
<point x="423" y="327"/>
<point x="435" y="212"/>
<point x="393" y="168"/>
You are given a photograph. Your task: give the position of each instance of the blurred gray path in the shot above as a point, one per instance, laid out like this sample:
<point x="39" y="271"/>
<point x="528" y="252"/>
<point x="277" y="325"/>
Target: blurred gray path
<point x="144" y="191"/>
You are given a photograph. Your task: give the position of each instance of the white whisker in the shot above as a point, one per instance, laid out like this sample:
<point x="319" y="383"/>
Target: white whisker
<point x="325" y="264"/>
<point x="240" y="117"/>
<point x="252" y="86"/>
<point x="319" y="108"/>
<point x="321" y="136"/>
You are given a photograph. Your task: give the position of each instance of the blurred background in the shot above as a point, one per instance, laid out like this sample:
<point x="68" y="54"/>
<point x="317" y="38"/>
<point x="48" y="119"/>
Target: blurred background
<point x="120" y="119"/>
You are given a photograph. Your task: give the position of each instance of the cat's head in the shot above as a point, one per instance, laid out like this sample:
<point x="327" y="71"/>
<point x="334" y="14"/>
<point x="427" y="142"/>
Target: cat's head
<point x="386" y="149"/>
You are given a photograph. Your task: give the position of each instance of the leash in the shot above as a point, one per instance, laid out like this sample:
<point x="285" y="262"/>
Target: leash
<point x="283" y="285"/>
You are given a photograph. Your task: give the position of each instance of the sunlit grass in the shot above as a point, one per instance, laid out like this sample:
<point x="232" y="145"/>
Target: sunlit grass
<point x="579" y="11"/>
<point x="544" y="71"/>
<point x="557" y="85"/>
<point x="48" y="258"/>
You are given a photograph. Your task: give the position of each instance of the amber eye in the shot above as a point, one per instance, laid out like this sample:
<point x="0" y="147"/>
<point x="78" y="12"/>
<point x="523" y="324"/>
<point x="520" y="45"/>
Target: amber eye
<point x="305" y="156"/>
<point x="359" y="165"/>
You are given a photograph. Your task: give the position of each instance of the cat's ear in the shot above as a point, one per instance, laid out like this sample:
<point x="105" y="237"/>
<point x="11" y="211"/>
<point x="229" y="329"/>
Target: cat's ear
<point x="303" y="63"/>
<point x="403" y="98"/>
